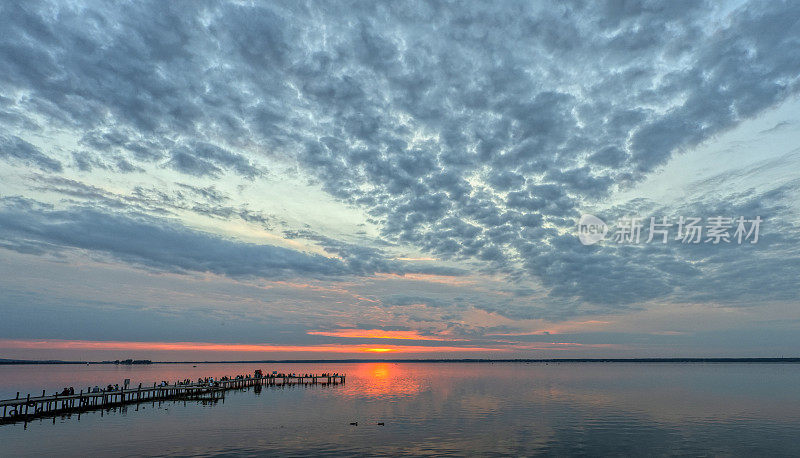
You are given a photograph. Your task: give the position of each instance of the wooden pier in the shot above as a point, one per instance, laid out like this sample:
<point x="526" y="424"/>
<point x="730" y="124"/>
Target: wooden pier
<point x="31" y="407"/>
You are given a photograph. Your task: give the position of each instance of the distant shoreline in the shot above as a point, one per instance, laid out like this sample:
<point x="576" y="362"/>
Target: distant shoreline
<point x="328" y="361"/>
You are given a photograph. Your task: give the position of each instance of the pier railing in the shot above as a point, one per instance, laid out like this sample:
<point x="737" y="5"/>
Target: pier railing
<point x="31" y="407"/>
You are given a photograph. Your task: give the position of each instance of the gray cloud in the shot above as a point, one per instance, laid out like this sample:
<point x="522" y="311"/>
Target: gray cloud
<point x="28" y="226"/>
<point x="366" y="260"/>
<point x="612" y="275"/>
<point x="472" y="131"/>
<point x="781" y="126"/>
<point x="406" y="300"/>
<point x="86" y="162"/>
<point x="14" y="148"/>
<point x="204" y="159"/>
<point x="159" y="244"/>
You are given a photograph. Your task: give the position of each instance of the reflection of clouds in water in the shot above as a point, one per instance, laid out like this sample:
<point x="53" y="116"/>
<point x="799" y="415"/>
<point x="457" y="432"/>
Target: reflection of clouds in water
<point x="482" y="404"/>
<point x="440" y="409"/>
<point x="614" y="388"/>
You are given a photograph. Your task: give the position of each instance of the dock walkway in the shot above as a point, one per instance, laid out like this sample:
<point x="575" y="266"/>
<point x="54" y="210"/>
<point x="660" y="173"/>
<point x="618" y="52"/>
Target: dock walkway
<point x="28" y="408"/>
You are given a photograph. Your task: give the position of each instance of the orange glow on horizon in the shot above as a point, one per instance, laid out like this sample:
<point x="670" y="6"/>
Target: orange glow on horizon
<point x="56" y="344"/>
<point x="377" y="334"/>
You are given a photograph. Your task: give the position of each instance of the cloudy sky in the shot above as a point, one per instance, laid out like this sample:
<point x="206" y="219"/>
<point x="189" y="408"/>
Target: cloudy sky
<point x="246" y="180"/>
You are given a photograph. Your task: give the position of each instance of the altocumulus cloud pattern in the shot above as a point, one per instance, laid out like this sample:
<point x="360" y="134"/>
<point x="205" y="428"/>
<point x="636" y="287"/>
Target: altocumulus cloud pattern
<point x="472" y="134"/>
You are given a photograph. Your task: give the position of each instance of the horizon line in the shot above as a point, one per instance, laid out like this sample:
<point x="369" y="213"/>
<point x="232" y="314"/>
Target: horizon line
<point x="433" y="360"/>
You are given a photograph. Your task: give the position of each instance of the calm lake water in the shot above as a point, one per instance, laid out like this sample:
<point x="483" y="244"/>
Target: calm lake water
<point x="431" y="408"/>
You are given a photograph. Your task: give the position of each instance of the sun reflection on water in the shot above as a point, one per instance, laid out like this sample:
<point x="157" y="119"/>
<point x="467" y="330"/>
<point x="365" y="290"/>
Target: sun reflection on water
<point x="382" y="380"/>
